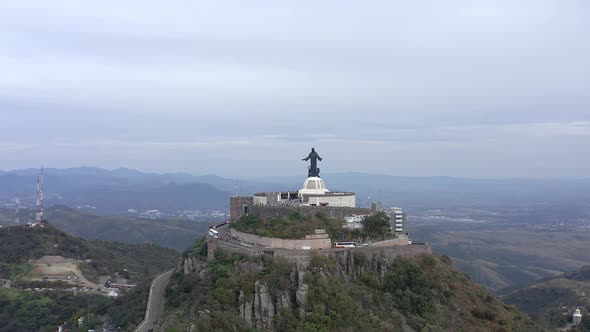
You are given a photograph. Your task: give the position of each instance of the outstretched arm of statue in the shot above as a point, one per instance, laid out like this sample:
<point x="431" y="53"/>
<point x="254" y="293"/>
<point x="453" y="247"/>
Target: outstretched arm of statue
<point x="319" y="158"/>
<point x="306" y="159"/>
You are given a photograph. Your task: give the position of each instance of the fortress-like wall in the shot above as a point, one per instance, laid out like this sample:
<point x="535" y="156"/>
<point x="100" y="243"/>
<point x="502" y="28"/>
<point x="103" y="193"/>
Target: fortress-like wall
<point x="213" y="245"/>
<point x="282" y="243"/>
<point x="330" y="211"/>
<point x="302" y="258"/>
<point x="239" y="206"/>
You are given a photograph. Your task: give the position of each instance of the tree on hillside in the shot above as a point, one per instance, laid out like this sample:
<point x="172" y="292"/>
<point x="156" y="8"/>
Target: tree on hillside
<point x="377" y="225"/>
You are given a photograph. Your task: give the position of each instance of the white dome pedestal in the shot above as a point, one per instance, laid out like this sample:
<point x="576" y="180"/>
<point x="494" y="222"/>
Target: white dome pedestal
<point x="313" y="186"/>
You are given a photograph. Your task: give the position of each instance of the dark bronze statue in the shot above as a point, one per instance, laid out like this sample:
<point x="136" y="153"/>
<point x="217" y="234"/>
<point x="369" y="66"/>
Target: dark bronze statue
<point x="313" y="169"/>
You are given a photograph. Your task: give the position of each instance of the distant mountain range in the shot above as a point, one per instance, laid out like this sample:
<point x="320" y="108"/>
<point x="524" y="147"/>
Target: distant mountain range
<point x="116" y="191"/>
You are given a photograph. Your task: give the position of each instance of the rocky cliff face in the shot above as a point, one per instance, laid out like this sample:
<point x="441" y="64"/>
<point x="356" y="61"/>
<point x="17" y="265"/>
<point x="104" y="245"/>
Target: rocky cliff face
<point x="352" y="291"/>
<point x="258" y="306"/>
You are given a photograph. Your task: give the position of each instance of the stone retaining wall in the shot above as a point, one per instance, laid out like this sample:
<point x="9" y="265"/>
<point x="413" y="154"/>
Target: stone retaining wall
<point x="392" y="242"/>
<point x="264" y="212"/>
<point x="213" y="245"/>
<point x="283" y="243"/>
<point x="387" y="253"/>
<point x="303" y="257"/>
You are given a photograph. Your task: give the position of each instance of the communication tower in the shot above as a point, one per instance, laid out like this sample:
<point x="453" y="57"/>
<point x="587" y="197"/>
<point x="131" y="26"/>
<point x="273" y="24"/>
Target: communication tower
<point x="40" y="197"/>
<point x="17" y="214"/>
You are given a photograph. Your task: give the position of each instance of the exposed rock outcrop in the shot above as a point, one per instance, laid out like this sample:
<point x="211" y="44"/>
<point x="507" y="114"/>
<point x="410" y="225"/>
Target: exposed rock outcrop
<point x="264" y="308"/>
<point x="246" y="308"/>
<point x="259" y="308"/>
<point x="301" y="297"/>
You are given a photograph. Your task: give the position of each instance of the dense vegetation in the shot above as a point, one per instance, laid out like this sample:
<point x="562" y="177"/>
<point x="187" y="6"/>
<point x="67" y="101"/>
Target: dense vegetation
<point x="128" y="311"/>
<point x="426" y="293"/>
<point x="376" y="226"/>
<point x="296" y="225"/>
<point x="18" y="245"/>
<point x="43" y="311"/>
<point x="22" y="310"/>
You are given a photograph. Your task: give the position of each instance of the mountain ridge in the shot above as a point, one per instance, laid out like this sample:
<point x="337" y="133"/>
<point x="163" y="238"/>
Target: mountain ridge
<point x="85" y="185"/>
<point x="553" y="300"/>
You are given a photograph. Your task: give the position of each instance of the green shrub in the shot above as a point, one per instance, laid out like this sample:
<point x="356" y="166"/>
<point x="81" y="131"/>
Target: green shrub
<point x="446" y="259"/>
<point x="485" y="314"/>
<point x="429" y="260"/>
<point x="360" y="258"/>
<point x="376" y="226"/>
<point x="278" y="274"/>
<point x="319" y="260"/>
<point x="410" y="287"/>
<point x="371" y="280"/>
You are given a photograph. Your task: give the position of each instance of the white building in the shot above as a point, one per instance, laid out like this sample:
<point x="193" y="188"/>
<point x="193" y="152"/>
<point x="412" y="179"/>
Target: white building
<point x="355" y="221"/>
<point x="577" y="320"/>
<point x="397" y="220"/>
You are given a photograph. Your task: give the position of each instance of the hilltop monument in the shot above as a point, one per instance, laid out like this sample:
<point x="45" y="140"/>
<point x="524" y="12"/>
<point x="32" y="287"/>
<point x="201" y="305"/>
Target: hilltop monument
<point x="313" y="170"/>
<point x="313" y="193"/>
<point x="314" y="185"/>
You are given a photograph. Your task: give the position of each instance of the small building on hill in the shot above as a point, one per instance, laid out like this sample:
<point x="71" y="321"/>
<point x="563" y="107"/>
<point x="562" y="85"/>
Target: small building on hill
<point x="577" y="319"/>
<point x="355" y="221"/>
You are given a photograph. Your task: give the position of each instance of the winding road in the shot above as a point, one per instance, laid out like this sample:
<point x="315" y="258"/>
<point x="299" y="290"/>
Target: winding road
<point x="155" y="305"/>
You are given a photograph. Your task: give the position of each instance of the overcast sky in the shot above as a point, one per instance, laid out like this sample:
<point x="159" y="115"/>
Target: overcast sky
<point x="488" y="89"/>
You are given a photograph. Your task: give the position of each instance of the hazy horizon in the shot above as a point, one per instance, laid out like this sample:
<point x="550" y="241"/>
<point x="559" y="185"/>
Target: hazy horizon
<point x="490" y="89"/>
<point x="299" y="174"/>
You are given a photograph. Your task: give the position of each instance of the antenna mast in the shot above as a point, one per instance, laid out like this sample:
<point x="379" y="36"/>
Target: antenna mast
<point x="40" y="197"/>
<point x="17" y="201"/>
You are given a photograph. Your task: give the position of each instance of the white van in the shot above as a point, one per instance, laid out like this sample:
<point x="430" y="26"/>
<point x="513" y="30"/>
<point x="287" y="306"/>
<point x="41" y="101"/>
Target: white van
<point x="213" y="233"/>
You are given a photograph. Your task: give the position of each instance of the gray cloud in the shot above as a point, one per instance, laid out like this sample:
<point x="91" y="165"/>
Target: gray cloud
<point x="482" y="89"/>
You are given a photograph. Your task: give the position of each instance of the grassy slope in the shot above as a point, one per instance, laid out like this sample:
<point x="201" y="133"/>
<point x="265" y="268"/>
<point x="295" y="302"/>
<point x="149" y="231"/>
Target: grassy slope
<point x="425" y="292"/>
<point x="545" y="300"/>
<point x="509" y="258"/>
